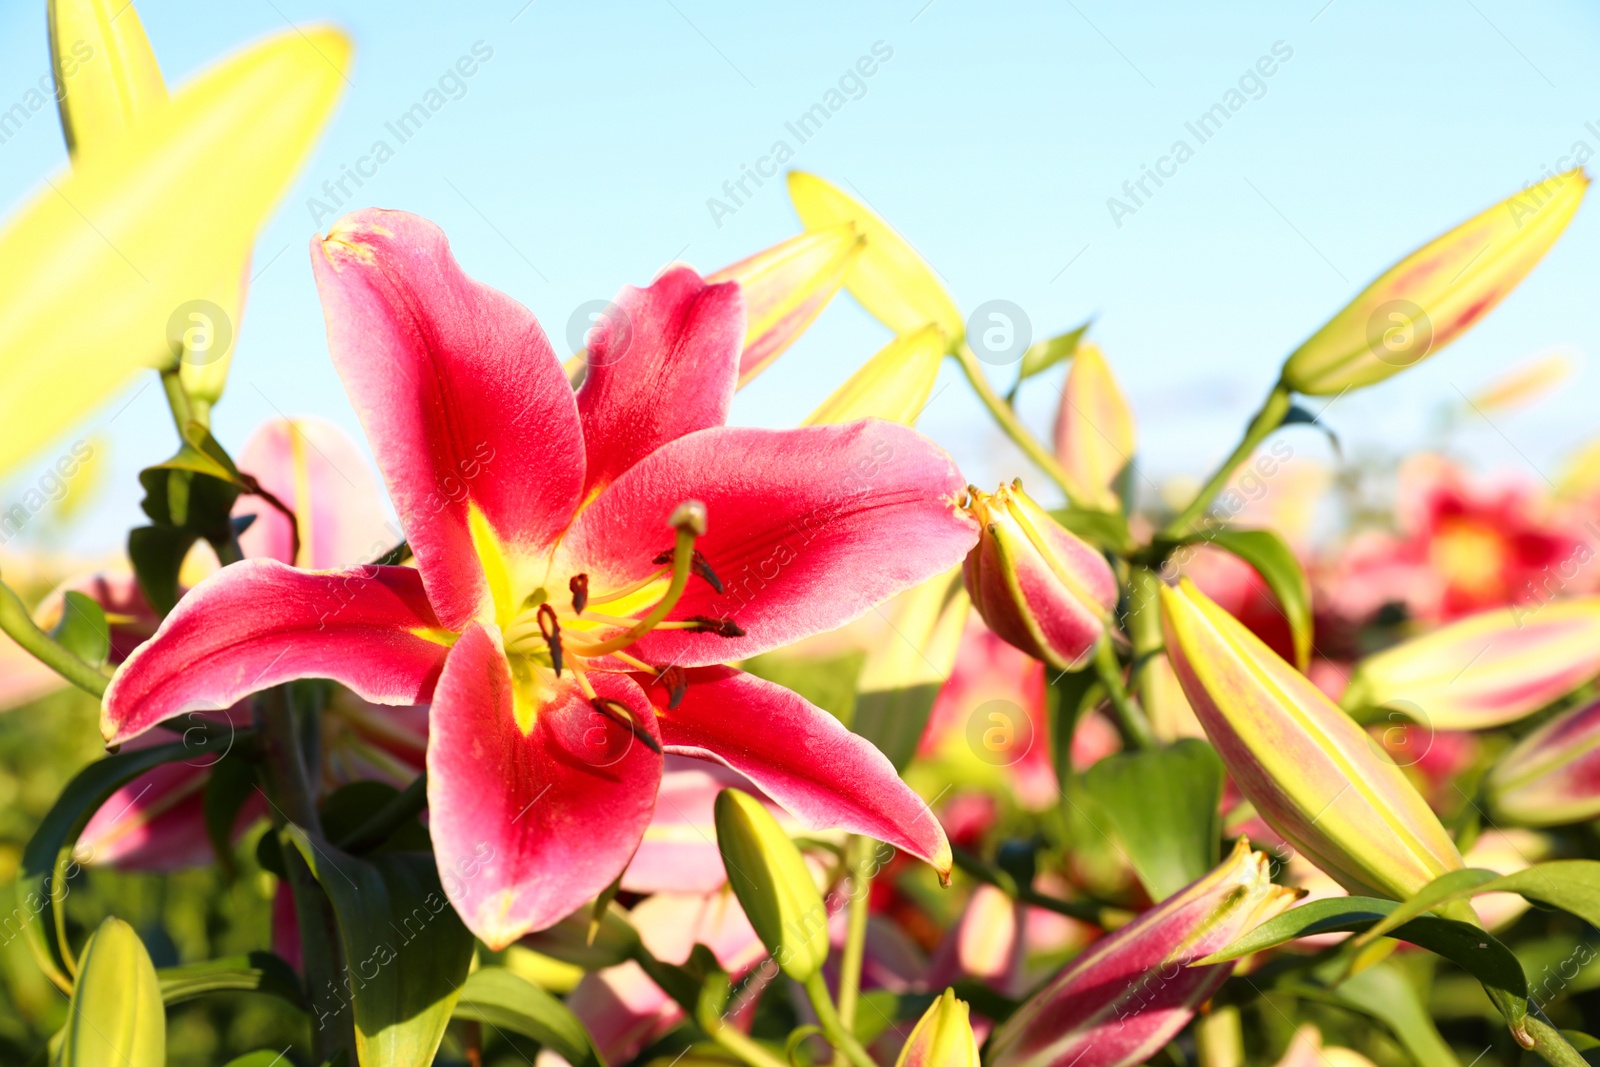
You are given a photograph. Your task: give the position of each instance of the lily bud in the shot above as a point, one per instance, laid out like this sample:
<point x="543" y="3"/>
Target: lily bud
<point x="942" y="1038"/>
<point x="773" y="884"/>
<point x="1094" y="429"/>
<point x="1131" y="992"/>
<point x="889" y="277"/>
<point x="786" y="287"/>
<point x="106" y="75"/>
<point x="1552" y="776"/>
<point x="893" y="385"/>
<point x="1315" y="776"/>
<point x="1435" y="294"/>
<point x="116" y="1014"/>
<point x="1484" y="670"/>
<point x="1035" y="582"/>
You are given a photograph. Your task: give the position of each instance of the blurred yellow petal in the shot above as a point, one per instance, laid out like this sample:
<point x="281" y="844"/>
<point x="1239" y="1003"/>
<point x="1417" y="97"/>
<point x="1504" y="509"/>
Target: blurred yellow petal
<point x="159" y="223"/>
<point x="1525" y="384"/>
<point x="1094" y="429"/>
<point x="105" y="73"/>
<point x="893" y="385"/>
<point x="1432" y="296"/>
<point x="786" y="287"/>
<point x="890" y="279"/>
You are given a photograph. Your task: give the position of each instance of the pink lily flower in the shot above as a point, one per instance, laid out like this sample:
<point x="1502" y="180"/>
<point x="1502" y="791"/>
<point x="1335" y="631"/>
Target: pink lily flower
<point x="563" y="651"/>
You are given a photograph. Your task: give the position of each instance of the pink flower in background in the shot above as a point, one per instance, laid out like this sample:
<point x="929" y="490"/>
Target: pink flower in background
<point x="561" y="648"/>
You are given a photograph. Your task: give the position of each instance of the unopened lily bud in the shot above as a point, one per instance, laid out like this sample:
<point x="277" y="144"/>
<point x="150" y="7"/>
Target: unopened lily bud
<point x="1484" y="670"/>
<point x="942" y="1037"/>
<point x="116" y="1015"/>
<point x="1552" y="776"/>
<point x="1435" y="294"/>
<point x="889" y="277"/>
<point x="106" y="76"/>
<point x="773" y="884"/>
<point x="1036" y="583"/>
<point x="1131" y="992"/>
<point x="1314" y="775"/>
<point x="893" y="385"/>
<point x="786" y="287"/>
<point x="1094" y="429"/>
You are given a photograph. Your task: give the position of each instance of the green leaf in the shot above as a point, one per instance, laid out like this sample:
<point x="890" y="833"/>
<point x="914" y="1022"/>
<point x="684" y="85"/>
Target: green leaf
<point x="156" y="553"/>
<point x="1104" y="529"/>
<point x="116" y="1018"/>
<point x="1382" y="992"/>
<point x="265" y="1058"/>
<point x="255" y="972"/>
<point x="1313" y="917"/>
<point x="507" y="1001"/>
<point x="46" y="862"/>
<point x="1043" y="355"/>
<point x="1162" y="802"/>
<point x="231" y="783"/>
<point x="1275" y="561"/>
<point x="83" y="630"/>
<point x="353" y="806"/>
<point x="1445" y="888"/>
<point x="1071" y="693"/>
<point x="406" y="950"/>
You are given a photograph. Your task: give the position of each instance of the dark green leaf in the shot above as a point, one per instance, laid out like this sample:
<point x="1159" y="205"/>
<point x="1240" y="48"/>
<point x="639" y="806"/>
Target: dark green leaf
<point x="1162" y="802"/>
<point x="231" y="783"/>
<point x="1071" y="693"/>
<point x="46" y="862"/>
<point x="255" y="972"/>
<point x="406" y="950"/>
<point x="1275" y="561"/>
<point x="157" y="554"/>
<point x="1382" y="992"/>
<point x="83" y="630"/>
<point x="506" y="1001"/>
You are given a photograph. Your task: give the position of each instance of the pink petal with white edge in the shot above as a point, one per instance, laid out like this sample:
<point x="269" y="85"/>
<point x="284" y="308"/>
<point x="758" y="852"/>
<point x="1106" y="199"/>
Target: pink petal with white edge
<point x="314" y="468"/>
<point x="463" y="400"/>
<point x="662" y="363"/>
<point x="528" y="827"/>
<point x="807" y="529"/>
<point x="801" y="757"/>
<point x="257" y="623"/>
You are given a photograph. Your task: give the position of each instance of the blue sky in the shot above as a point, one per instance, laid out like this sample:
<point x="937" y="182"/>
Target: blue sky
<point x="584" y="151"/>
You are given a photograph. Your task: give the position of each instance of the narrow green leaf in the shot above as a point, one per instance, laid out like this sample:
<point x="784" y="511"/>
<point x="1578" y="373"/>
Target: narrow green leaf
<point x="1163" y="804"/>
<point x="1104" y="529"/>
<point x="1043" y="355"/>
<point x="229" y="785"/>
<point x="46" y="862"/>
<point x="507" y="1001"/>
<point x="116" y="1018"/>
<point x="254" y="972"/>
<point x="83" y="630"/>
<point x="1274" y="560"/>
<point x="406" y="949"/>
<point x="1445" y="888"/>
<point x="1314" y="917"/>
<point x="1382" y="992"/>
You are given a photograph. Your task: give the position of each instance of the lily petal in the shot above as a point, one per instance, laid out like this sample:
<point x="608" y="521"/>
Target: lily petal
<point x="808" y="529"/>
<point x="258" y="623"/>
<point x="801" y="757"/>
<point x="529" y="826"/>
<point x="661" y="365"/>
<point x="462" y="399"/>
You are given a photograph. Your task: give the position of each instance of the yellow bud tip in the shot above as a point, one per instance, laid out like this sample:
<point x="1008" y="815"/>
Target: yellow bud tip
<point x="689" y="517"/>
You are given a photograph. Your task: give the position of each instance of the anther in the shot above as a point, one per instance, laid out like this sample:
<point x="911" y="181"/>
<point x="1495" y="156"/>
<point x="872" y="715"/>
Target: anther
<point x="580" y="592"/>
<point x="676" y="682"/>
<point x="550" y="628"/>
<point x="618" y="713"/>
<point x="705" y="624"/>
<point x="697" y="563"/>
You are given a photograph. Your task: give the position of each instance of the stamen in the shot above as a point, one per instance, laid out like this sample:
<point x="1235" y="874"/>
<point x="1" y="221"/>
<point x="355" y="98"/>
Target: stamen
<point x="704" y="624"/>
<point x="635" y="662"/>
<point x="619" y="713"/>
<point x="580" y="592"/>
<point x="551" y="629"/>
<point x="689" y="519"/>
<point x="631" y="588"/>
<point x="676" y="682"/>
<point x="701" y="567"/>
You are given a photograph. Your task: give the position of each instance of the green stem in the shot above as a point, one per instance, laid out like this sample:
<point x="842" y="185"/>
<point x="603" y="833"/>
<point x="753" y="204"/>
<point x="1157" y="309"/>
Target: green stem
<point x="1135" y="729"/>
<point x="177" y="400"/>
<point x="745" y="1047"/>
<point x="400" y="809"/>
<point x="15" y="620"/>
<point x="1008" y="421"/>
<point x="1143" y="624"/>
<point x="843" y="1041"/>
<point x="1549" y="1044"/>
<point x="1268" y="418"/>
<point x="855" y="938"/>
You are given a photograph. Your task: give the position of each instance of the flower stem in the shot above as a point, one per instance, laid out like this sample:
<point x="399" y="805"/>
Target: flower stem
<point x="859" y="853"/>
<point x="1008" y="421"/>
<point x="1135" y="729"/>
<point x="1268" y="418"/>
<point x="400" y="809"/>
<point x="15" y="620"/>
<point x="843" y="1041"/>
<point x="177" y="399"/>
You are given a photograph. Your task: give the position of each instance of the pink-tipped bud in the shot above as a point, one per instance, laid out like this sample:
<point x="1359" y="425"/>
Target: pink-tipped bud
<point x="1552" y="776"/>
